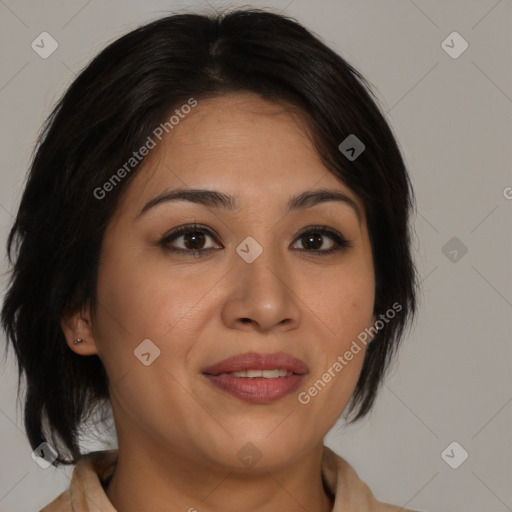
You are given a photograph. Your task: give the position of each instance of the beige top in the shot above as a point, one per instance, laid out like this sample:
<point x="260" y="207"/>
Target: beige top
<point x="86" y="492"/>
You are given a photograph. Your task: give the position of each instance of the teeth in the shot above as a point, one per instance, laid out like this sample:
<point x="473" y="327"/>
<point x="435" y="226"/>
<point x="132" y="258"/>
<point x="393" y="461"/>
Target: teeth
<point x="266" y="374"/>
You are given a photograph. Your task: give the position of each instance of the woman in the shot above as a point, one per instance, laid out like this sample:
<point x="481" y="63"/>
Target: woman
<point x="213" y="240"/>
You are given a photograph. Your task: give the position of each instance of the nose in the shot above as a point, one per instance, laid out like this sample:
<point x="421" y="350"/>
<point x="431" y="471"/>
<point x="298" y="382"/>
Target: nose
<point x="261" y="296"/>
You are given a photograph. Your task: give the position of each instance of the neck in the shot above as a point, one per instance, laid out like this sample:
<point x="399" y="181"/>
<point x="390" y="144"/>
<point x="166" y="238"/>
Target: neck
<point x="147" y="480"/>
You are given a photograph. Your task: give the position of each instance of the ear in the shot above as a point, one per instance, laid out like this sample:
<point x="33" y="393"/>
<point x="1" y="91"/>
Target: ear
<point x="78" y="324"/>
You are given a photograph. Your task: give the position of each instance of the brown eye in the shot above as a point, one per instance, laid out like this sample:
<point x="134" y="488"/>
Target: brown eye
<point x="193" y="240"/>
<point x="190" y="240"/>
<point x="313" y="239"/>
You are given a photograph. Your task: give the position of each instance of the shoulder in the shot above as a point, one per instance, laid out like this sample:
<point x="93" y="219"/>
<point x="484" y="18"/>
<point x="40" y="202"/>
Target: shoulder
<point x="86" y="492"/>
<point x="350" y="491"/>
<point x="61" y="503"/>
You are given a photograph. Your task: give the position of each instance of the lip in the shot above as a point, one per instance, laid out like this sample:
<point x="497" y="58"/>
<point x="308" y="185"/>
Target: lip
<point x="255" y="361"/>
<point x="258" y="390"/>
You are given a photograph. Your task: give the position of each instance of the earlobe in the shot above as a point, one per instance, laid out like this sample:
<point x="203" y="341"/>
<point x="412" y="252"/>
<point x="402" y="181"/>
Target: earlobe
<point x="77" y="329"/>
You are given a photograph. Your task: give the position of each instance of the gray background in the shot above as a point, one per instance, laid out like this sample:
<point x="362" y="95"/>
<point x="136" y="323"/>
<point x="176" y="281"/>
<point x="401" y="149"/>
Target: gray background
<point x="452" y="118"/>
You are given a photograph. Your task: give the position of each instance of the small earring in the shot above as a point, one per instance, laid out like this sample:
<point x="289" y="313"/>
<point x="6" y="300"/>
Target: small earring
<point x="79" y="340"/>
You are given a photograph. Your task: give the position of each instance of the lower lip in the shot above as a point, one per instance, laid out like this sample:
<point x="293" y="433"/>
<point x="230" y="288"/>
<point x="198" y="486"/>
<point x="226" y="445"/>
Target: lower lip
<point x="258" y="390"/>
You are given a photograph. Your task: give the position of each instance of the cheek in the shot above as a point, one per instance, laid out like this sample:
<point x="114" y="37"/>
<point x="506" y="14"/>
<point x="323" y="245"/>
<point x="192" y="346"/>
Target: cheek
<point x="148" y="297"/>
<point x="341" y="307"/>
<point x="341" y="314"/>
<point x="141" y="300"/>
<point x="145" y="302"/>
<point x="342" y="303"/>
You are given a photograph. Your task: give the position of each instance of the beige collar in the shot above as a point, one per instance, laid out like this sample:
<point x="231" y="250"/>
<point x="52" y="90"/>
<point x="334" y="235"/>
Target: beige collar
<point x="86" y="493"/>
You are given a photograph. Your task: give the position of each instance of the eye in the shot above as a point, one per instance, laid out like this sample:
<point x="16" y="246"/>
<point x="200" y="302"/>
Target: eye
<point x="313" y="239"/>
<point x="193" y="240"/>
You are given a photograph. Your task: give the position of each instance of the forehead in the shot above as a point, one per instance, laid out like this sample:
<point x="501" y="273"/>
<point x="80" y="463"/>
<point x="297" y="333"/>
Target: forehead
<point x="238" y="143"/>
<point x="234" y="120"/>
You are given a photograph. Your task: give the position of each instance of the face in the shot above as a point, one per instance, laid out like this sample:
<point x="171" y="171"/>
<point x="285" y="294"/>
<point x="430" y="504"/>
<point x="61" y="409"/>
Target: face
<point x="258" y="278"/>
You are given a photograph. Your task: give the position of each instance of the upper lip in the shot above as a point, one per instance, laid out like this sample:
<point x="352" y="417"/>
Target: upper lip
<point x="255" y="361"/>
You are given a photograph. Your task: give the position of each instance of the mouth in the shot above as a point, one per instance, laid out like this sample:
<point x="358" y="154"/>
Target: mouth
<point x="252" y="365"/>
<point x="254" y="373"/>
<point x="257" y="378"/>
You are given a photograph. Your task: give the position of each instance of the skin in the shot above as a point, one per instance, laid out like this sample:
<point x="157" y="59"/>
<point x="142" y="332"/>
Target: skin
<point x="179" y="435"/>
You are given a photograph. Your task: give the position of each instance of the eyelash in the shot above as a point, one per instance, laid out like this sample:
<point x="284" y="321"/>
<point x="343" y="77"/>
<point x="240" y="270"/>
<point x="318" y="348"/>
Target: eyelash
<point x="341" y="243"/>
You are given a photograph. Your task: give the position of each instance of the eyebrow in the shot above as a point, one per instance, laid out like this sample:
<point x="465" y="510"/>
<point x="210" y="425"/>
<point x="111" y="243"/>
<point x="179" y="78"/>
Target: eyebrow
<point x="215" y="199"/>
